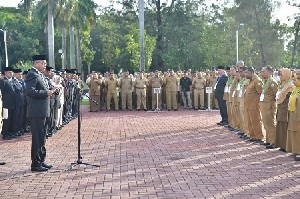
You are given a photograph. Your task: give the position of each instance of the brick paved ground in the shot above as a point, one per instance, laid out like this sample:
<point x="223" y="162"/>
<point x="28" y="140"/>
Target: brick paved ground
<point x="149" y="155"/>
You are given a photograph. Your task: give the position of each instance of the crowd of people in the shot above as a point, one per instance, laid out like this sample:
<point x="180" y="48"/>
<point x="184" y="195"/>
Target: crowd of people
<point x="41" y="101"/>
<point x="139" y="91"/>
<point x="260" y="106"/>
<point x="63" y="104"/>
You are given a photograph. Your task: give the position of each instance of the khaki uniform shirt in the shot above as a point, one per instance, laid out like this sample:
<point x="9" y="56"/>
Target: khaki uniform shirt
<point x="156" y="82"/>
<point x="269" y="92"/>
<point x="140" y="83"/>
<point x="95" y="86"/>
<point x="199" y="83"/>
<point x="126" y="84"/>
<point x="252" y="93"/>
<point x="112" y="85"/>
<point x="171" y="83"/>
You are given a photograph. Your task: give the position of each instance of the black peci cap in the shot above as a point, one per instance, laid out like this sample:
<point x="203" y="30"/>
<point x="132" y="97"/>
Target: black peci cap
<point x="38" y="57"/>
<point x="221" y="67"/>
<point x="17" y="70"/>
<point x="8" y="69"/>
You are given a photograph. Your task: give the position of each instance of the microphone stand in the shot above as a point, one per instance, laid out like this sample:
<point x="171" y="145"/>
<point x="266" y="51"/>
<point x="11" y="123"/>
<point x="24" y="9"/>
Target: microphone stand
<point x="79" y="158"/>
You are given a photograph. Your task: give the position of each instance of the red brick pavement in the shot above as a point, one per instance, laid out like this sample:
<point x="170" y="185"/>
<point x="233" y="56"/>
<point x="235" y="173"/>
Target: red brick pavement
<point x="172" y="154"/>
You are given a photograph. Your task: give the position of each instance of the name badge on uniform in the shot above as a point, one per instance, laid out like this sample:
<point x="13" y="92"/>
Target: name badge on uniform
<point x="277" y="95"/>
<point x="241" y="93"/>
<point x="238" y="87"/>
<point x="262" y="97"/>
<point x="233" y="93"/>
<point x="226" y="89"/>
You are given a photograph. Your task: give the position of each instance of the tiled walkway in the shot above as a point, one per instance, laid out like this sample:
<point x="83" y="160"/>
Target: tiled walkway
<point x="176" y="154"/>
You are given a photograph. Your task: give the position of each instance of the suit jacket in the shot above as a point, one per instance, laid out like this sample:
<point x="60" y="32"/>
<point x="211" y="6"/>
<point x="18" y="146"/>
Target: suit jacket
<point x="219" y="92"/>
<point x="8" y="93"/>
<point x="38" y="105"/>
<point x="19" y="93"/>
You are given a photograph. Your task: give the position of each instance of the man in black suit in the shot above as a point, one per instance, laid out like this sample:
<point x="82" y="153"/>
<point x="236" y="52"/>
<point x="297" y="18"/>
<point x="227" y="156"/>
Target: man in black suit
<point x="9" y="103"/>
<point x="219" y="93"/>
<point x="38" y="109"/>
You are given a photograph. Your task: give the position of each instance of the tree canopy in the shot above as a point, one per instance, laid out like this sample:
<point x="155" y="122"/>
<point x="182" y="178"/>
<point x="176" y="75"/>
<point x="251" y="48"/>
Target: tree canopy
<point x="184" y="34"/>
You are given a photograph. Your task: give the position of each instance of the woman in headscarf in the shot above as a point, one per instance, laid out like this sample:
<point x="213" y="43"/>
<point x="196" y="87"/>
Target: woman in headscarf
<point x="293" y="136"/>
<point x="285" y="89"/>
<point x="94" y="93"/>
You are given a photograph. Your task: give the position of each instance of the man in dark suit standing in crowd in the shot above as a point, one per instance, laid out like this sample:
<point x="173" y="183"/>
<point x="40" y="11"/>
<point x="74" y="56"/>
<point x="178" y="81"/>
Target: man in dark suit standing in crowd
<point x="9" y="103"/>
<point x="38" y="109"/>
<point x="219" y="93"/>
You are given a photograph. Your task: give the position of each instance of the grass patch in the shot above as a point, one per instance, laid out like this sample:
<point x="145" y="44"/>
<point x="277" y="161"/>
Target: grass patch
<point x="85" y="102"/>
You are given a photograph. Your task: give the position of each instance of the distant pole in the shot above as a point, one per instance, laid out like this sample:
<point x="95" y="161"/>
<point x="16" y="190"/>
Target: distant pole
<point x="5" y="46"/>
<point x="141" y="22"/>
<point x="237" y="41"/>
<point x="237" y="44"/>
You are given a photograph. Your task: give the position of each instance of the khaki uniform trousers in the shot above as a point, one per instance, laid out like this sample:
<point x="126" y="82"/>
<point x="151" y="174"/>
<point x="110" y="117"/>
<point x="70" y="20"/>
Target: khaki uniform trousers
<point x="108" y="100"/>
<point x="213" y="100"/>
<point x="198" y="96"/>
<point x="268" y="116"/>
<point x="244" y="122"/>
<point x="236" y="118"/>
<point x="229" y="111"/>
<point x="254" y="123"/>
<point x="140" y="98"/>
<point x="171" y="99"/>
<point x="126" y="100"/>
<point x="93" y="105"/>
<point x="154" y="99"/>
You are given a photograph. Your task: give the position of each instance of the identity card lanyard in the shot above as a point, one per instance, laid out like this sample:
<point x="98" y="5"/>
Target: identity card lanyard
<point x="262" y="95"/>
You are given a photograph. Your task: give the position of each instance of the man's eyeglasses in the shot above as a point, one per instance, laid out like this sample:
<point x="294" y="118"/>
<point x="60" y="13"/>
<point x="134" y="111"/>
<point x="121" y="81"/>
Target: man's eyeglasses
<point x="43" y="63"/>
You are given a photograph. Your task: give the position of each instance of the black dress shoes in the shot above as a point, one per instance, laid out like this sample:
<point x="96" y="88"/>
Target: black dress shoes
<point x="39" y="169"/>
<point x="48" y="166"/>
<point x="2" y="163"/>
<point x="270" y="146"/>
<point x="283" y="150"/>
<point x="297" y="158"/>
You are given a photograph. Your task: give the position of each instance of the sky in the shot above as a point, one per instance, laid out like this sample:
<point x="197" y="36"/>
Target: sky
<point x="283" y="13"/>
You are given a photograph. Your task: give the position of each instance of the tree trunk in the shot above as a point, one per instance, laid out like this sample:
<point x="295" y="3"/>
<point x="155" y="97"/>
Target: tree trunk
<point x="78" y="52"/>
<point x="51" y="35"/>
<point x="141" y="23"/>
<point x="157" y="61"/>
<point x="72" y="48"/>
<point x="297" y="26"/>
<point x="64" y="46"/>
<point x="261" y="47"/>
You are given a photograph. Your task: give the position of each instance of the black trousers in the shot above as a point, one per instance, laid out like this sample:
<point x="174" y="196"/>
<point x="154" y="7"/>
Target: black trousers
<point x="8" y="123"/>
<point x="18" y="119"/>
<point x="223" y="108"/>
<point x="38" y="131"/>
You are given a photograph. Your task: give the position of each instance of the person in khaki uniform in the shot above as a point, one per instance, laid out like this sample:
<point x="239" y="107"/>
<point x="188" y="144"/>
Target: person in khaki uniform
<point x="236" y="101"/>
<point x="244" y="123"/>
<point x="293" y="135"/>
<point x="126" y="87"/>
<point x="156" y="82"/>
<point x="140" y="85"/>
<point x="232" y="84"/>
<point x="111" y="83"/>
<point x="211" y="82"/>
<point x="285" y="89"/>
<point x="171" y="84"/>
<point x="94" y="92"/>
<point x="199" y="84"/>
<point x="268" y="106"/>
<point x="251" y="100"/>
<point x="226" y="93"/>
